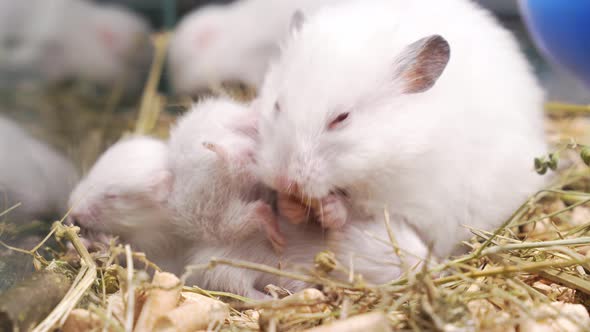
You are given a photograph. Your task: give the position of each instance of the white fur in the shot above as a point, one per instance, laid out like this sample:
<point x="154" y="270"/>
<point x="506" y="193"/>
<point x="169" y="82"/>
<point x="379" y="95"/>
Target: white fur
<point x="125" y="194"/>
<point x="245" y="36"/>
<point x="211" y="203"/>
<point x="33" y="174"/>
<point x="180" y="219"/>
<point x="305" y="241"/>
<point x="65" y="39"/>
<point x="214" y="201"/>
<point x="458" y="154"/>
<point x="89" y="54"/>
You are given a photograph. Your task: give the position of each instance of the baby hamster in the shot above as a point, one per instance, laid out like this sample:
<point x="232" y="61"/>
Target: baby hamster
<point x="125" y="194"/>
<point x="215" y="196"/>
<point x="305" y="241"/>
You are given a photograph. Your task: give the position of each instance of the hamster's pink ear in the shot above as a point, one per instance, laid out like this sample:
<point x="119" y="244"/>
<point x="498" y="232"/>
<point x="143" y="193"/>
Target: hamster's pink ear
<point x="221" y="152"/>
<point x="162" y="185"/>
<point x="420" y="65"/>
<point x="297" y="21"/>
<point x="230" y="157"/>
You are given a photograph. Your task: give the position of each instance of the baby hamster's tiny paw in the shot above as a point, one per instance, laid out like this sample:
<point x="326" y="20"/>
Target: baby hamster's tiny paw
<point x="270" y="225"/>
<point x="333" y="213"/>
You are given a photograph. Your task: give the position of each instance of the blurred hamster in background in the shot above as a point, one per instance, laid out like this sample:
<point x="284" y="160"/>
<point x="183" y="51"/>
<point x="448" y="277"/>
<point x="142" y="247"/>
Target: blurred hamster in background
<point x="231" y="43"/>
<point x="32" y="174"/>
<point x="69" y="39"/>
<point x="393" y="104"/>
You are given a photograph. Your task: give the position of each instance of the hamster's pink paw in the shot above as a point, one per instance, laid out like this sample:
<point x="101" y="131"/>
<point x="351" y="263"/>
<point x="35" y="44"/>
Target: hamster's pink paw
<point x="332" y="212"/>
<point x="295" y="212"/>
<point x="269" y="223"/>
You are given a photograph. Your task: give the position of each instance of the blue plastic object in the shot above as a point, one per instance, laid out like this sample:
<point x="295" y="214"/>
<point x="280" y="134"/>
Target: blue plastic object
<point x="561" y="30"/>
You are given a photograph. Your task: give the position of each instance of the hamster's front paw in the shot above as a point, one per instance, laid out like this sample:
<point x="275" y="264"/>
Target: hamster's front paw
<point x="269" y="223"/>
<point x="293" y="210"/>
<point x="332" y="212"/>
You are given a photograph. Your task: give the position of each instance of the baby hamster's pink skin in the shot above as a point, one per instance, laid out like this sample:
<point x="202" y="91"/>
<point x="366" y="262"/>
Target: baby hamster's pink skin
<point x="32" y="174"/>
<point x="215" y="195"/>
<point x="365" y="99"/>
<point x="125" y="194"/>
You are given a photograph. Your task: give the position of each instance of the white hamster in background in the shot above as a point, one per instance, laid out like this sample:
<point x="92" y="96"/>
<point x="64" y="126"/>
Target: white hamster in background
<point x="70" y="39"/>
<point x="32" y="174"/>
<point x="230" y="43"/>
<point x="215" y="196"/>
<point x="125" y="194"/>
<point x="366" y="99"/>
<point x="100" y="43"/>
<point x="16" y="35"/>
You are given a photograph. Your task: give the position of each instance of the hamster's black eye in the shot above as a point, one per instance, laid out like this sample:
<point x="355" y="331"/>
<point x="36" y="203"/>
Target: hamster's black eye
<point x="338" y="120"/>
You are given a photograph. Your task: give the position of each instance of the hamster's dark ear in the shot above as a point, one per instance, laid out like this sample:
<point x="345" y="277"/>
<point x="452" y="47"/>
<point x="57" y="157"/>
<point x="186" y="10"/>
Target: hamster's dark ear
<point x="297" y="21"/>
<point x="420" y="65"/>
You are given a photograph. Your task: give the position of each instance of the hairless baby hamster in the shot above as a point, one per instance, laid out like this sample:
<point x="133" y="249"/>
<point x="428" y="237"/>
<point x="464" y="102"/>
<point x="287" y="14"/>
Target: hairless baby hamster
<point x="425" y="108"/>
<point x="215" y="196"/>
<point x="230" y="43"/>
<point x="32" y="174"/>
<point x="125" y="194"/>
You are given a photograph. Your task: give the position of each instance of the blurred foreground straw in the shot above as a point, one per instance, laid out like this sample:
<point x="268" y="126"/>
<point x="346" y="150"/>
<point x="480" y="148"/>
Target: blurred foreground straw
<point x="558" y="107"/>
<point x="28" y="302"/>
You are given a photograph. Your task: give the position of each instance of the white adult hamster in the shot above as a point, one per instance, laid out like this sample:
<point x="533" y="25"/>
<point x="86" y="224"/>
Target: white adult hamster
<point x="32" y="174"/>
<point x="215" y="196"/>
<point x="125" y="194"/>
<point x="427" y="108"/>
<point x="231" y="43"/>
